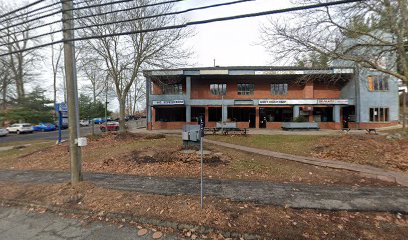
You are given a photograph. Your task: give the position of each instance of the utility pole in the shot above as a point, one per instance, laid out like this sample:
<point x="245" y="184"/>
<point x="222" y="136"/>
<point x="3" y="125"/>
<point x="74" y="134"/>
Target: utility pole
<point x="72" y="90"/>
<point x="404" y="109"/>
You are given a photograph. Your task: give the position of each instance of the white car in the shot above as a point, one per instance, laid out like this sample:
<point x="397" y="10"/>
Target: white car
<point x="84" y="123"/>
<point x="3" y="132"/>
<point x="20" y="128"/>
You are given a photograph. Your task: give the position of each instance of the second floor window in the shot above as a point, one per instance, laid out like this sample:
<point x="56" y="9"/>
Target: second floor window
<point x="246" y="88"/>
<point x="173" y="89"/>
<point x="279" y="89"/>
<point x="377" y="83"/>
<point x="218" y="88"/>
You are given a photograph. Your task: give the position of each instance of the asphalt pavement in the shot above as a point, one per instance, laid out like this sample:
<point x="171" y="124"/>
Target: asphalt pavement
<point x="294" y="195"/>
<point x="52" y="135"/>
<point x="26" y="225"/>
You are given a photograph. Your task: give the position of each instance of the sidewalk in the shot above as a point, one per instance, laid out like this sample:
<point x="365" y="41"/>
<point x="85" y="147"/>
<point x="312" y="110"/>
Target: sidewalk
<point x="390" y="199"/>
<point x="367" y="171"/>
<point x="22" y="225"/>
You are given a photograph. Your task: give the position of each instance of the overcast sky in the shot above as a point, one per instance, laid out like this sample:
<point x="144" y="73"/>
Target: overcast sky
<point x="230" y="43"/>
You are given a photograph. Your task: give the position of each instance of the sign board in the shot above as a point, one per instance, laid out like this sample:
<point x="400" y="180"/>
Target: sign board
<point x="243" y="102"/>
<point x="170" y="102"/>
<point x="333" y="101"/>
<point x="303" y="101"/>
<point x="286" y="101"/>
<point x="61" y="107"/>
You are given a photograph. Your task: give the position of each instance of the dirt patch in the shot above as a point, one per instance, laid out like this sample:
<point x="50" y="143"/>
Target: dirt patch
<point x="137" y="136"/>
<point x="267" y="221"/>
<point x="374" y="150"/>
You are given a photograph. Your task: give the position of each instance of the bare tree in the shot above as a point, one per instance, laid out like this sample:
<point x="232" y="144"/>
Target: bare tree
<point x="125" y="56"/>
<point x="15" y="37"/>
<point x="56" y="54"/>
<point x="369" y="33"/>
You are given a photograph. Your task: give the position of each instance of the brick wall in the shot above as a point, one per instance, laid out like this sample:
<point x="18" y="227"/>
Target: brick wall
<point x="372" y="125"/>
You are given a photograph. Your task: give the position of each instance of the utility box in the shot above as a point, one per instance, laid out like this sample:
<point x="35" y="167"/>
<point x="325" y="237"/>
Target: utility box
<point x="191" y="135"/>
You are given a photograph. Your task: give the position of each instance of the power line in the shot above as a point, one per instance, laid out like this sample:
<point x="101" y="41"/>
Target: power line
<point x="271" y="12"/>
<point x="22" y="8"/>
<point x="26" y="14"/>
<point x="88" y="7"/>
<point x="123" y="21"/>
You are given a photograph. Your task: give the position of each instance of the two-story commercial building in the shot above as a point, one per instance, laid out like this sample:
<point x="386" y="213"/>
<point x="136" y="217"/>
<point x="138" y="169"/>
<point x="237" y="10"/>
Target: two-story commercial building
<point x="264" y="97"/>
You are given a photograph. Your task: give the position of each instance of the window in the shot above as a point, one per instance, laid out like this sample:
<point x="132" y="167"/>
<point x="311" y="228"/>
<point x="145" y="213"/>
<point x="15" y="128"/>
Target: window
<point x="246" y="88"/>
<point x="279" y="89"/>
<point x="379" y="114"/>
<point x="218" y="88"/>
<point x="173" y="89"/>
<point x="214" y="114"/>
<point x="176" y="114"/>
<point x="377" y="83"/>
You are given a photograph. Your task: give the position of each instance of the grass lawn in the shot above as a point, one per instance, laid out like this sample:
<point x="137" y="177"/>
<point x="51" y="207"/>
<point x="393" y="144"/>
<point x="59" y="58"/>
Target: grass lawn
<point x="292" y="144"/>
<point x="138" y="155"/>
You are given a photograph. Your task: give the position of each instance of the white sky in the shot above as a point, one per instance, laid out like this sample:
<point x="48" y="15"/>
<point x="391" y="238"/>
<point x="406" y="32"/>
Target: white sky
<point x="230" y="43"/>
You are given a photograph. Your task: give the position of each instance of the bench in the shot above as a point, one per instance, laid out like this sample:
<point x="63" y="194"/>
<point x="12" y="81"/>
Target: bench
<point x="300" y="126"/>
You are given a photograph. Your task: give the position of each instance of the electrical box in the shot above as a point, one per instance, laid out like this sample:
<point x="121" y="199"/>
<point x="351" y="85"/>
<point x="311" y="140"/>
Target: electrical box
<point x="82" y="142"/>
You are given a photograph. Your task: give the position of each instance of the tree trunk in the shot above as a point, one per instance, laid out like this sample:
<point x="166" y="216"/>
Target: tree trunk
<point x="122" y="110"/>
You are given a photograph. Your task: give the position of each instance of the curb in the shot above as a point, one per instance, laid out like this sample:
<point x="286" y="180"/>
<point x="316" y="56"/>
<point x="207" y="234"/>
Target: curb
<point x="136" y="219"/>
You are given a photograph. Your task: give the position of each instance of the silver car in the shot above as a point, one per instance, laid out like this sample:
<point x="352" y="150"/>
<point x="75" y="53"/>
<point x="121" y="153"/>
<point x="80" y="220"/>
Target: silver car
<point x="20" y="128"/>
<point x="3" y="132"/>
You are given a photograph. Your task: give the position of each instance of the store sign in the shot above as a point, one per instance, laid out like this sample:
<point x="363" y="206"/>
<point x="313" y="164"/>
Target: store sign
<point x="286" y="101"/>
<point x="333" y="101"/>
<point x="303" y="101"/>
<point x="170" y="102"/>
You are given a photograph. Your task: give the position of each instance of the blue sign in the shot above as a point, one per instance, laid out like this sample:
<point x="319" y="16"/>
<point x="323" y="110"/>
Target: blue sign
<point x="62" y="107"/>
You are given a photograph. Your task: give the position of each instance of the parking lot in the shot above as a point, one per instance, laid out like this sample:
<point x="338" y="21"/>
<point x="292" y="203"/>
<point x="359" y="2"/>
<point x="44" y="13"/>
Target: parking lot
<point x="53" y="135"/>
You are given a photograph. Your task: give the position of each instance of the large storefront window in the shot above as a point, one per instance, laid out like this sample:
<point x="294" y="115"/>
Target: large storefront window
<point x="171" y="114"/>
<point x="214" y="114"/>
<point x="321" y="114"/>
<point x="276" y="114"/>
<point x="237" y="114"/>
<point x="379" y="114"/>
<point x="196" y="112"/>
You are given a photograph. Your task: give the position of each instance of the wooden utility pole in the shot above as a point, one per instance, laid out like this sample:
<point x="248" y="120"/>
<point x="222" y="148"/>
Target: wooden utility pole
<point x="72" y="91"/>
<point x="404" y="109"/>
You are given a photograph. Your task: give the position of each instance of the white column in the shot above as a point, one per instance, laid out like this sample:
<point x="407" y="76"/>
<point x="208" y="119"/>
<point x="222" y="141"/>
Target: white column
<point x="336" y="113"/>
<point x="296" y="111"/>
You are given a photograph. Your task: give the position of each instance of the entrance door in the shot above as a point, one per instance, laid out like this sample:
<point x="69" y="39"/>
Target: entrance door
<point x="262" y="118"/>
<point x="348" y="116"/>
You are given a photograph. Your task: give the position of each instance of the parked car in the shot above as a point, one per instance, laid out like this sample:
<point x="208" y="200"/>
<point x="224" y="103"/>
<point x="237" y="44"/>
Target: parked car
<point x="84" y="123"/>
<point x="110" y="126"/>
<point x="20" y="128"/>
<point x="44" y="127"/>
<point x="98" y="120"/>
<point x="3" y="132"/>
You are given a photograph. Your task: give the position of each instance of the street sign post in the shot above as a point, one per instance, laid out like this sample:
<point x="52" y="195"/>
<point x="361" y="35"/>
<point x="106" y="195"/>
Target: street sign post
<point x="60" y="109"/>
<point x="201" y="150"/>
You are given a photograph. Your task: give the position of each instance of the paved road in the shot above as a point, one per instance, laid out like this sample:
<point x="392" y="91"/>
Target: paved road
<point x="19" y="224"/>
<point x="389" y="199"/>
<point x="43" y="135"/>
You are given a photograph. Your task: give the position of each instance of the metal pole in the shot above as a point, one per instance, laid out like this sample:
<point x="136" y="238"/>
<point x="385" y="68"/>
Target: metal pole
<point x="72" y="91"/>
<point x="201" y="183"/>
<point x="222" y="114"/>
<point x="106" y="105"/>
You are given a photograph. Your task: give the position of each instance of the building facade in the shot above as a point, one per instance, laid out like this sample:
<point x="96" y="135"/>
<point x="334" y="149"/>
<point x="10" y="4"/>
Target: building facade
<point x="264" y="97"/>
